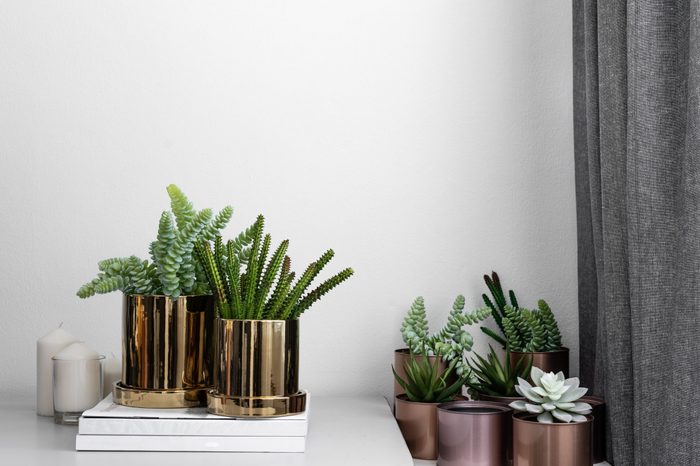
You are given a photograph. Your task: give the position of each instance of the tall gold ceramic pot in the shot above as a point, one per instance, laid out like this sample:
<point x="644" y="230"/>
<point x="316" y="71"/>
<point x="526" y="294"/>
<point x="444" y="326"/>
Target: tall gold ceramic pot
<point x="167" y="351"/>
<point x="257" y="369"/>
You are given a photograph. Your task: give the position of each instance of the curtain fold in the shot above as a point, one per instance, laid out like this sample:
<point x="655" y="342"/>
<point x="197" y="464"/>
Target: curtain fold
<point x="637" y="149"/>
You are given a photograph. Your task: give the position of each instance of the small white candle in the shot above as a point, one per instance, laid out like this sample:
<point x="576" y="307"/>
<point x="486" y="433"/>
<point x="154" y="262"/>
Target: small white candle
<point x="46" y="348"/>
<point x="77" y="384"/>
<point x="111" y="372"/>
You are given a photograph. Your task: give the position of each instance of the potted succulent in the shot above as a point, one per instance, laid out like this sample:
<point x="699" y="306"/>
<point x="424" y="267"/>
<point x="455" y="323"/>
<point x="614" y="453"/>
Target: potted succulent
<point x="425" y="387"/>
<point x="257" y="325"/>
<point x="168" y="310"/>
<point x="494" y="380"/>
<point x="552" y="427"/>
<point x="452" y="341"/>
<point x="530" y="334"/>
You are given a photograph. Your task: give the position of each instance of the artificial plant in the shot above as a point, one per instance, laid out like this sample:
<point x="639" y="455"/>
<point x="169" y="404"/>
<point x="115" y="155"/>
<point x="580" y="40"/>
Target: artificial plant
<point x="265" y="289"/>
<point x="424" y="383"/>
<point x="452" y="341"/>
<point x="497" y="303"/>
<point x="552" y="398"/>
<point x="494" y="378"/>
<point x="173" y="270"/>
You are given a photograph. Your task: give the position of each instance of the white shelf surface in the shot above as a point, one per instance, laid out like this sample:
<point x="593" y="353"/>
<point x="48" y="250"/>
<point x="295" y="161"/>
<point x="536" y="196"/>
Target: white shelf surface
<point x="354" y="431"/>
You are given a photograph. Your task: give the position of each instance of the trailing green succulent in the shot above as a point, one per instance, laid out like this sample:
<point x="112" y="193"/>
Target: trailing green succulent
<point x="552" y="398"/>
<point x="424" y="383"/>
<point x="491" y="377"/>
<point x="452" y="341"/>
<point x="497" y="303"/>
<point x="522" y="329"/>
<point x="173" y="270"/>
<point x="249" y="293"/>
<point x="532" y="330"/>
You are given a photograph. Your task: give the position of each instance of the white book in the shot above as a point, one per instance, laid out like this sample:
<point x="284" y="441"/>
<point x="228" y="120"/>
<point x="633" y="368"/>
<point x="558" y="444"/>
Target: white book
<point x="108" y="418"/>
<point x="189" y="443"/>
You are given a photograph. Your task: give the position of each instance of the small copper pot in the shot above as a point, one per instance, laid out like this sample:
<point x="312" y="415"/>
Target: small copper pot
<point x="506" y="400"/>
<point x="402" y="356"/>
<point x="548" y="361"/>
<point x="474" y="433"/>
<point x="556" y="444"/>
<point x="598" y="404"/>
<point x="418" y="424"/>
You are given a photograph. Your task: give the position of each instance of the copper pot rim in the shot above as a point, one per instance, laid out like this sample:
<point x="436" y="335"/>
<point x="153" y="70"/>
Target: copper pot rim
<point x="522" y="417"/>
<point x="510" y="398"/>
<point x="593" y="400"/>
<point x="563" y="349"/>
<point x="404" y="399"/>
<point x="257" y="320"/>
<point x="407" y="351"/>
<point x="500" y="407"/>
<point x="140" y="295"/>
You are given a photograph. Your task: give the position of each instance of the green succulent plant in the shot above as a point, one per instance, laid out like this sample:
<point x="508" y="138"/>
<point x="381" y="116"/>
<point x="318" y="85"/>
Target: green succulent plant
<point x="491" y="377"/>
<point x="266" y="288"/>
<point x="452" y="341"/>
<point x="424" y="383"/>
<point x="173" y="270"/>
<point x="552" y="398"/>
<point x="522" y="329"/>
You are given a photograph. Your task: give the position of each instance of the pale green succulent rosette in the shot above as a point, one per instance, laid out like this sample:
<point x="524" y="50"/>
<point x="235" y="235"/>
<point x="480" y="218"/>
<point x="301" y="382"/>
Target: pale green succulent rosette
<point x="552" y="398"/>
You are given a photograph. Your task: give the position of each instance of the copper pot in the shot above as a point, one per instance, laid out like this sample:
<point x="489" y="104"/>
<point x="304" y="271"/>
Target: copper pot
<point x="556" y="444"/>
<point x="403" y="355"/>
<point x="548" y="361"/>
<point x="598" y="404"/>
<point x="418" y="424"/>
<point x="506" y="400"/>
<point x="474" y="433"/>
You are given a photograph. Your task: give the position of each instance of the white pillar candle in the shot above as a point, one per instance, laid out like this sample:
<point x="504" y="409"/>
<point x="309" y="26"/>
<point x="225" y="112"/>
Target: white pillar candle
<point x="46" y="348"/>
<point x="77" y="384"/>
<point x="111" y="372"/>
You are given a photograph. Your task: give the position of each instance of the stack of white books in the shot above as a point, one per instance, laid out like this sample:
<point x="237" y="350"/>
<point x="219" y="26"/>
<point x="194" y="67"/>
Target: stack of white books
<point x="112" y="427"/>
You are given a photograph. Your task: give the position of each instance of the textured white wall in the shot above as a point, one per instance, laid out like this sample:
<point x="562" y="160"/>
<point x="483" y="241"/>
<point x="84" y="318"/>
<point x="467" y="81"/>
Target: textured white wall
<point x="427" y="142"/>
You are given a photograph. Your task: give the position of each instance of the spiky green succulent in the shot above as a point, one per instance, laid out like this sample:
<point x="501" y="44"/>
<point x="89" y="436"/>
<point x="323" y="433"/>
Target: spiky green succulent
<point x="531" y="330"/>
<point x="173" y="270"/>
<point x="424" y="383"/>
<point x="497" y="303"/>
<point x="552" y="397"/>
<point x="491" y="377"/>
<point x="266" y="289"/>
<point x="452" y="341"/>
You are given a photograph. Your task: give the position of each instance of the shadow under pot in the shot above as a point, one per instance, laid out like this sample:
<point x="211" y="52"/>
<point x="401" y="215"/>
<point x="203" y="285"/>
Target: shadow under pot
<point x="402" y="356"/>
<point x="549" y="361"/>
<point x="167" y="349"/>
<point x="418" y="424"/>
<point x="256" y="369"/>
<point x="555" y="444"/>
<point x="474" y="433"/>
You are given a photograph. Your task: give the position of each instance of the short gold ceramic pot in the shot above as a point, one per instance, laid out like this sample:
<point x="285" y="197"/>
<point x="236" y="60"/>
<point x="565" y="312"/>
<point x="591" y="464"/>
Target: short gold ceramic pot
<point x="548" y="361"/>
<point x="167" y="348"/>
<point x="257" y="369"/>
<point x="556" y="444"/>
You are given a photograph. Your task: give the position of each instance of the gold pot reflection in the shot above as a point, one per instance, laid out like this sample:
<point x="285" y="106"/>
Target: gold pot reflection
<point x="167" y="347"/>
<point x="257" y="369"/>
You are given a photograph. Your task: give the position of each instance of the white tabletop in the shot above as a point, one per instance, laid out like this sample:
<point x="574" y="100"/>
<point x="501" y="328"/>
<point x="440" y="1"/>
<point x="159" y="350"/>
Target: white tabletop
<point x="342" y="431"/>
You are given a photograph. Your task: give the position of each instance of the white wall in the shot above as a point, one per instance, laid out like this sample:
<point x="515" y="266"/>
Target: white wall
<point x="427" y="142"/>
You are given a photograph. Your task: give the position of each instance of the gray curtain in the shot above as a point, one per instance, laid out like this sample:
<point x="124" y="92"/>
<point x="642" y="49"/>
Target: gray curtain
<point x="637" y="149"/>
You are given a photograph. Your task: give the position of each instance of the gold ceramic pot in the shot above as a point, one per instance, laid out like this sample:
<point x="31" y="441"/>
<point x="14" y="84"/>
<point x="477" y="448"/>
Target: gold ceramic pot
<point x="167" y="348"/>
<point x="548" y="361"/>
<point x="257" y="369"/>
<point x="556" y="444"/>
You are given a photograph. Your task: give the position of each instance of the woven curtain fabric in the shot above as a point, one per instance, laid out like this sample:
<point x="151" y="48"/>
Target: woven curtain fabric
<point x="637" y="149"/>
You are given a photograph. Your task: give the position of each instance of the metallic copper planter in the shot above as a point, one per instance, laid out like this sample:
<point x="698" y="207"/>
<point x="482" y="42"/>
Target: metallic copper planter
<point x="167" y="348"/>
<point x="474" y="433"/>
<point x="599" y="449"/>
<point x="418" y="424"/>
<point x="506" y="400"/>
<point x="548" y="361"/>
<point x="257" y="369"/>
<point x="557" y="444"/>
<point x="402" y="356"/>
